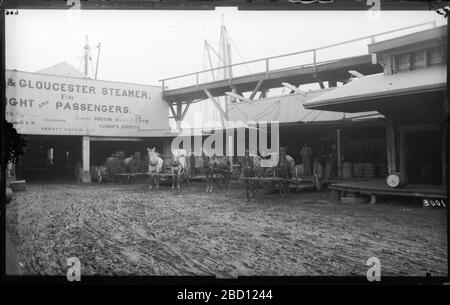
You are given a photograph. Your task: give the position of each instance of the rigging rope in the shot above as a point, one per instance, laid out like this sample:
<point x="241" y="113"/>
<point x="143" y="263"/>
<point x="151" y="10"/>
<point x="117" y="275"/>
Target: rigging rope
<point x="240" y="55"/>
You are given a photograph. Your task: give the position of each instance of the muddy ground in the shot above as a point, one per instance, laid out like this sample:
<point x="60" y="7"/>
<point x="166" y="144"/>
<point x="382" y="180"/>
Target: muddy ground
<point x="129" y="230"/>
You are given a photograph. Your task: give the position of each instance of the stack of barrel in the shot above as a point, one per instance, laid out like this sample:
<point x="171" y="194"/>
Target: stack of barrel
<point x="363" y="170"/>
<point x="368" y="170"/>
<point x="382" y="170"/>
<point x="347" y="170"/>
<point x="358" y="170"/>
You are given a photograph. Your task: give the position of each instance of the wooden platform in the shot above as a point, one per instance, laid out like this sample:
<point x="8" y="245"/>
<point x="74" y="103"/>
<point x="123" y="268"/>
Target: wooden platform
<point x="271" y="179"/>
<point x="379" y="187"/>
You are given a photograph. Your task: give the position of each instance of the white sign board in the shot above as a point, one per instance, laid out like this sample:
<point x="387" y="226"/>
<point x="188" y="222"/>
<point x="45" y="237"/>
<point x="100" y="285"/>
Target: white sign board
<point x="45" y="104"/>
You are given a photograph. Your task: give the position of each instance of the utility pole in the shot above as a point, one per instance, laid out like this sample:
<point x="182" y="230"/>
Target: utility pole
<point x="86" y="57"/>
<point x="86" y="144"/>
<point x="98" y="57"/>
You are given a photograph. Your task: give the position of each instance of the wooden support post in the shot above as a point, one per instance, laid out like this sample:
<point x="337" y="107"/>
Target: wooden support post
<point x="179" y="112"/>
<point x="293" y="88"/>
<point x="322" y="86"/>
<point x="401" y="150"/>
<point x="258" y="85"/>
<point x="86" y="175"/>
<point x="332" y="83"/>
<point x="183" y="115"/>
<point x="172" y="110"/>
<point x="391" y="147"/>
<point x="339" y="151"/>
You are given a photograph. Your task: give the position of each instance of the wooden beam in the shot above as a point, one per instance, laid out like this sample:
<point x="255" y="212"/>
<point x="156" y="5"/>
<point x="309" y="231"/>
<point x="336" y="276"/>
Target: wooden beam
<point x="401" y="150"/>
<point x="239" y="97"/>
<point x="297" y="90"/>
<point x="292" y="91"/>
<point x="86" y="155"/>
<point x="258" y="85"/>
<point x="263" y="94"/>
<point x="174" y="113"/>
<point x="355" y="73"/>
<point x="212" y="99"/>
<point x="179" y="108"/>
<point x="185" y="111"/>
<point x="178" y="119"/>
<point x="391" y="147"/>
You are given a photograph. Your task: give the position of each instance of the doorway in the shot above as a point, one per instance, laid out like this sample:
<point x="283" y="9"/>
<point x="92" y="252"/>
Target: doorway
<point x="423" y="156"/>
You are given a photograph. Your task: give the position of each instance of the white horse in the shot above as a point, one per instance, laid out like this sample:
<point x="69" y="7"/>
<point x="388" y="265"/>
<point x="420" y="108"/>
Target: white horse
<point x="155" y="165"/>
<point x="179" y="168"/>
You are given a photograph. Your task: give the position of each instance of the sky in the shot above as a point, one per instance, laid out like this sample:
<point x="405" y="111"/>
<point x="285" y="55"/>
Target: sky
<point x="146" y="46"/>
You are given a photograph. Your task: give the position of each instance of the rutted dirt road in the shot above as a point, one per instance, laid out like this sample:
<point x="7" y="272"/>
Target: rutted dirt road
<point x="129" y="230"/>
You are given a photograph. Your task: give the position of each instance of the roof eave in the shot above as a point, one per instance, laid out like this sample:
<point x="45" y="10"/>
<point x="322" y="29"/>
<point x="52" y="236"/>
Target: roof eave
<point x="322" y="105"/>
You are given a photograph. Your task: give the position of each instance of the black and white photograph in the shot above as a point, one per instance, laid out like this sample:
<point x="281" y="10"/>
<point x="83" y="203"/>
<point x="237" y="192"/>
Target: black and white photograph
<point x="225" y="143"/>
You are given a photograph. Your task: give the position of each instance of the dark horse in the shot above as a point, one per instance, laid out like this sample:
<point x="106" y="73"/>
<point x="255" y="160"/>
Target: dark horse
<point x="115" y="165"/>
<point x="220" y="166"/>
<point x="251" y="167"/>
<point x="285" y="169"/>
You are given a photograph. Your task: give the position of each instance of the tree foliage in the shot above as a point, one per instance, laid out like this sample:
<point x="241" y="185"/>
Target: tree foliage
<point x="14" y="143"/>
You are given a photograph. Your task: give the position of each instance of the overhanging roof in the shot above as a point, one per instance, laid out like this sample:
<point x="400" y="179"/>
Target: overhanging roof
<point x="389" y="46"/>
<point x="378" y="86"/>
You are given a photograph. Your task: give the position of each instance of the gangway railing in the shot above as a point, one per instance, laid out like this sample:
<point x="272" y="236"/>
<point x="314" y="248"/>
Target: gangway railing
<point x="268" y="60"/>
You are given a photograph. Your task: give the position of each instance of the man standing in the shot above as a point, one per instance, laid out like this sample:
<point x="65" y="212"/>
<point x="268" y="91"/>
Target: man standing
<point x="317" y="174"/>
<point x="306" y="154"/>
<point x="331" y="166"/>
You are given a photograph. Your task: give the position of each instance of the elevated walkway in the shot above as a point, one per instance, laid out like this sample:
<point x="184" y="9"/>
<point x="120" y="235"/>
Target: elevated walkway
<point x="336" y="70"/>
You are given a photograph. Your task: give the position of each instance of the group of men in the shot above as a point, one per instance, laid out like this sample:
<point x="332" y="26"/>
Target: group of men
<point x="315" y="165"/>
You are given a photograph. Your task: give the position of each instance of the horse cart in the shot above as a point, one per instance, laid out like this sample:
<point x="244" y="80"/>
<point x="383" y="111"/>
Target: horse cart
<point x="273" y="174"/>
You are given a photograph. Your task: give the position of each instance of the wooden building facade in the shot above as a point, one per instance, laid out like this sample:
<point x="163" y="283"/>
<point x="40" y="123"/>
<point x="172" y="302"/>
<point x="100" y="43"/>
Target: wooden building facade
<point x="411" y="95"/>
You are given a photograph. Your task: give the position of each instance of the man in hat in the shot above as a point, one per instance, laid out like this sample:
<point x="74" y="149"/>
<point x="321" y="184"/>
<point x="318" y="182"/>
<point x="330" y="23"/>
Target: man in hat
<point x="306" y="154"/>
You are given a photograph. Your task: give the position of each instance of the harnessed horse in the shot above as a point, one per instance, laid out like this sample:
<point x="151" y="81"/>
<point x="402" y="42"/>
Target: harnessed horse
<point x="285" y="169"/>
<point x="115" y="165"/>
<point x="218" y="165"/>
<point x="251" y="167"/>
<point x="179" y="169"/>
<point x="155" y="164"/>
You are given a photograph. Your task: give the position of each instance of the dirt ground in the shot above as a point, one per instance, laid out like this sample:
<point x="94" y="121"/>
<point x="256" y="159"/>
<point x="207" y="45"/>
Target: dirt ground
<point x="129" y="230"/>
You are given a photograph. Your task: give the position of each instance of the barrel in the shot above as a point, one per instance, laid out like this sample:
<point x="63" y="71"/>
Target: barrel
<point x="347" y="169"/>
<point x="396" y="180"/>
<point x="369" y="170"/>
<point x="382" y="170"/>
<point x="358" y="170"/>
